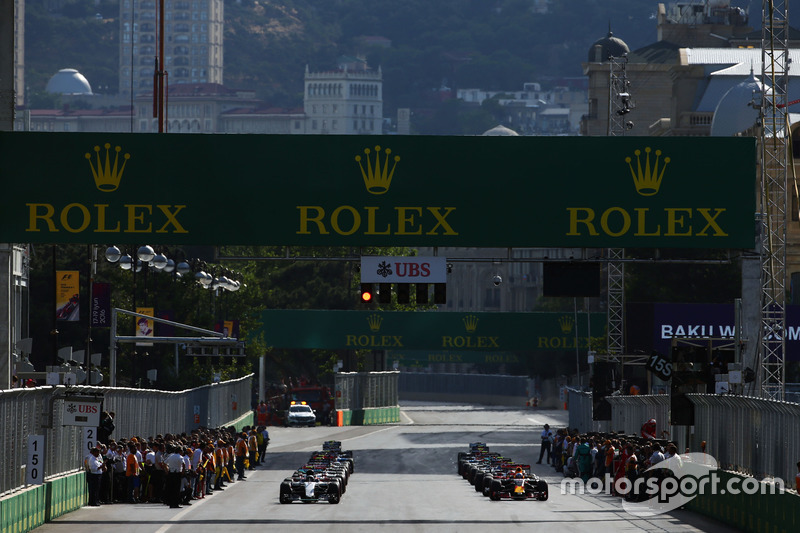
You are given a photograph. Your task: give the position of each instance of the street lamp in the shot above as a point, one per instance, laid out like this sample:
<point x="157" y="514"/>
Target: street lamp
<point x="113" y="254"/>
<point x="183" y="268"/>
<point x="159" y="261"/>
<point x="146" y="253"/>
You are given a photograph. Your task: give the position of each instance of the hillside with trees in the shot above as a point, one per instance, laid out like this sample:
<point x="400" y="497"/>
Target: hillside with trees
<point x="491" y="44"/>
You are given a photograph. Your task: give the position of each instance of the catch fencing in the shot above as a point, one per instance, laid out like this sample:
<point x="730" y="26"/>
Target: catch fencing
<point x="366" y="390"/>
<point x="751" y="436"/>
<point x="138" y="412"/>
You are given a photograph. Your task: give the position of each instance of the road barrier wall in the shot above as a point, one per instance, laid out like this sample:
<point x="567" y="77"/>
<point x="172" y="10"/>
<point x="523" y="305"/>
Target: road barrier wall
<point x="487" y="389"/>
<point x="756" y="513"/>
<point x="142" y="412"/>
<point x="749" y="437"/>
<point x="367" y="398"/>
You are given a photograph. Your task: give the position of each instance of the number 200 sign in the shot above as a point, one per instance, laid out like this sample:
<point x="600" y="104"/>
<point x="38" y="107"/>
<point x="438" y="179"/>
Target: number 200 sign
<point x="660" y="366"/>
<point x="35" y="468"/>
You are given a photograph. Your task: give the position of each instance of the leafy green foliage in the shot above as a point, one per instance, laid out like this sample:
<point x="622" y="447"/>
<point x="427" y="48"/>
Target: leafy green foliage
<point x="72" y="37"/>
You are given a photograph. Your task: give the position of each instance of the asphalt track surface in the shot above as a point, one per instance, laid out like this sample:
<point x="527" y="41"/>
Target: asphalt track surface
<point x="405" y="481"/>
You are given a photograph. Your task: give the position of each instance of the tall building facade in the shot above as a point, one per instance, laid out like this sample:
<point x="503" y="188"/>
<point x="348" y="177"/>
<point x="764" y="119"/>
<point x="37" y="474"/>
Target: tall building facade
<point x="19" y="51"/>
<point x="346" y="101"/>
<point x="193" y="48"/>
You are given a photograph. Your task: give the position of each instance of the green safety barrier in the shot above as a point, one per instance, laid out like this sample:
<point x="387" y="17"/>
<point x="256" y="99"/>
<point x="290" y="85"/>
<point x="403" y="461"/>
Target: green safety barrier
<point x="33" y="507"/>
<point x="247" y="420"/>
<point x="757" y="513"/>
<point x="371" y="416"/>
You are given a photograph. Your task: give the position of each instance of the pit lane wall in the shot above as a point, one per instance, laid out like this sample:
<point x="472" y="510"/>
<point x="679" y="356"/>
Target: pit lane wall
<point x="33" y="507"/>
<point x="749" y="437"/>
<point x="366" y="398"/>
<point x="142" y="412"/>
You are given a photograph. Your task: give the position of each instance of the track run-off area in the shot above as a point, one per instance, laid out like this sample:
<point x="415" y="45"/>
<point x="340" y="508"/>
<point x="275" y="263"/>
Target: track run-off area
<point x="405" y="480"/>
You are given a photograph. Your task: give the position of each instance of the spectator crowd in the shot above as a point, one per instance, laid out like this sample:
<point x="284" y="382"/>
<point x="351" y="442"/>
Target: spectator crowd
<point x="173" y="469"/>
<point x="609" y="457"/>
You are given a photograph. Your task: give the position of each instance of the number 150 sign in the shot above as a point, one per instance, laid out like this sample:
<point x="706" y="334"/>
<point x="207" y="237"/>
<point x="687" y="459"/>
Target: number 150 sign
<point x="35" y="469"/>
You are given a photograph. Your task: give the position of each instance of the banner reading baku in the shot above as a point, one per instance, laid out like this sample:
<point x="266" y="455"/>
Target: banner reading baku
<point x="305" y="190"/>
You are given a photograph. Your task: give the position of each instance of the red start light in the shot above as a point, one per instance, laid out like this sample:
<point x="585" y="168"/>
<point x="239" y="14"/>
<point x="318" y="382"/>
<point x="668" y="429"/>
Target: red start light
<point x="366" y="296"/>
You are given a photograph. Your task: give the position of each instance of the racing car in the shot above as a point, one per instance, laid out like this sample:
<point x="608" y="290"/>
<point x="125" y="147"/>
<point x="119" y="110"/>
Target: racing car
<point x="309" y="488"/>
<point x="519" y="485"/>
<point x="322" y="478"/>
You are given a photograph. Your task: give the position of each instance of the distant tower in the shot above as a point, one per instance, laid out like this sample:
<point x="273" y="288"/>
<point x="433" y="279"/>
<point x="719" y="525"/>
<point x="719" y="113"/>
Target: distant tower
<point x="345" y="101"/>
<point x="192" y="43"/>
<point x="19" y="51"/>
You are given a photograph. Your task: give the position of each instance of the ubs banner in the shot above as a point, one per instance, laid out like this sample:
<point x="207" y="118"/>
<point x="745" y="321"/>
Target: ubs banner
<point x="399" y="331"/>
<point x="346" y="190"/>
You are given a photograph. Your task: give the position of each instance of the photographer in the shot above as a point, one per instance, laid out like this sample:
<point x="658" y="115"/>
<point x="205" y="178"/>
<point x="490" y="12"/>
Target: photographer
<point x="106" y="427"/>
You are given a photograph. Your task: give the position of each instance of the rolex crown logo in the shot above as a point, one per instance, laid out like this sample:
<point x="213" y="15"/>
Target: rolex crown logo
<point x="565" y="323"/>
<point x="374" y="322"/>
<point x="107" y="175"/>
<point x="377" y="175"/>
<point x="470" y="323"/>
<point x="647" y="181"/>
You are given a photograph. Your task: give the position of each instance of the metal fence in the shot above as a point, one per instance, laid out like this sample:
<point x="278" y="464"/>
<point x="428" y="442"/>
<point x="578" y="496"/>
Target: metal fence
<point x="141" y="412"/>
<point x="580" y="412"/>
<point x="751" y="436"/>
<point x="360" y="390"/>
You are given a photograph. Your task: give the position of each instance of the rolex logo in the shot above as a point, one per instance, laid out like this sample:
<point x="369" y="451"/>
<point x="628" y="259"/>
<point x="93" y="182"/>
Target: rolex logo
<point x="374" y="322"/>
<point x="107" y="175"/>
<point x="566" y="323"/>
<point x="647" y="180"/>
<point x="470" y="323"/>
<point x="377" y="175"/>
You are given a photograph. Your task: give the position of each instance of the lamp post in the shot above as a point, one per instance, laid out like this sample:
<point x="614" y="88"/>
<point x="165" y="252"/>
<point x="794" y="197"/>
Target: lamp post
<point x="146" y="257"/>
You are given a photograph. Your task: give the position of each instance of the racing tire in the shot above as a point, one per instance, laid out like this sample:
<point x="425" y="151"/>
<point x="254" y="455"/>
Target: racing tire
<point x="286" y="494"/>
<point x="334" y="496"/>
<point x="542" y="492"/>
<point x="487" y="485"/>
<point x="473" y="470"/>
<point x="478" y="481"/>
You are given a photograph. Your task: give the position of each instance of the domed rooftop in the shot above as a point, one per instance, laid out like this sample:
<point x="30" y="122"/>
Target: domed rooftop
<point x="608" y="46"/>
<point x="500" y="131"/>
<point x="735" y="112"/>
<point x="68" y="81"/>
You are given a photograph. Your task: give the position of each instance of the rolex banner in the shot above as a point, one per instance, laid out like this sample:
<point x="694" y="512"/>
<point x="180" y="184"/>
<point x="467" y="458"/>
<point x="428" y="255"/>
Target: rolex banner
<point x="68" y="295"/>
<point x="343" y="190"/>
<point x="442" y="332"/>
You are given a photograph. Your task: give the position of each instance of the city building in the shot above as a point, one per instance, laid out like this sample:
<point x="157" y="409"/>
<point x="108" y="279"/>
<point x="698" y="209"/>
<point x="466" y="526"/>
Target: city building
<point x="345" y="101"/>
<point x="193" y="43"/>
<point x="534" y="111"/>
<point x="699" y="79"/>
<point x="667" y="78"/>
<point x="19" y="52"/>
